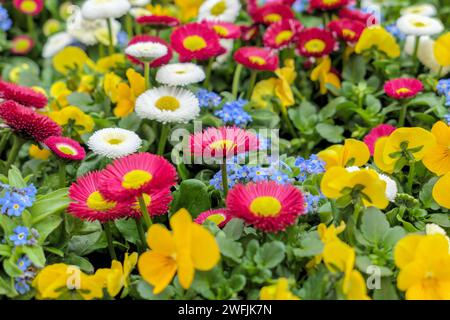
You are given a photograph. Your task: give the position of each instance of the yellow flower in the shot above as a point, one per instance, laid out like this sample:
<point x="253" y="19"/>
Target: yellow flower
<point x="63" y="281"/>
<point x="188" y="8"/>
<point x="424" y="263"/>
<point x="37" y="153"/>
<point x="366" y="185"/>
<point x="263" y="91"/>
<point x="278" y="291"/>
<point x="110" y="84"/>
<point x="108" y="63"/>
<point x="188" y="247"/>
<point x="59" y="92"/>
<point x="102" y="35"/>
<point x="326" y="235"/>
<point x="71" y="58"/>
<point x="117" y="277"/>
<point x="440" y="191"/>
<point x="322" y="74"/>
<point x="404" y="144"/>
<point x="442" y="50"/>
<point x="437" y="159"/>
<point x="378" y="37"/>
<point x="128" y="93"/>
<point x="159" y="10"/>
<point x="352" y="153"/>
<point x="82" y="122"/>
<point x="87" y="83"/>
<point x="51" y="26"/>
<point x="355" y="287"/>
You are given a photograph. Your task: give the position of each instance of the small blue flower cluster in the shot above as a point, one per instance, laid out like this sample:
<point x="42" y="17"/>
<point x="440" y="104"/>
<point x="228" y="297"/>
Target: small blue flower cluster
<point x="5" y="21"/>
<point x="312" y="202"/>
<point x="24" y="236"/>
<point x="395" y="31"/>
<point x="443" y="88"/>
<point x="15" y="200"/>
<point x="21" y="283"/>
<point x="310" y="166"/>
<point x="233" y="113"/>
<point x="122" y="39"/>
<point x="208" y="99"/>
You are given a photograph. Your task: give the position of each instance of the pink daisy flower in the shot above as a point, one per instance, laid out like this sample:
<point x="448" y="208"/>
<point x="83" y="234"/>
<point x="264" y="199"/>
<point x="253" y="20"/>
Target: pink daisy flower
<point x="89" y="204"/>
<point x="66" y="148"/>
<point x="266" y="205"/>
<point x="272" y="12"/>
<point x="326" y="5"/>
<point x="131" y="176"/>
<point x="29" y="7"/>
<point x="402" y="88"/>
<point x="282" y="33"/>
<point x="315" y="42"/>
<point x="22" y="45"/>
<point x="225" y="30"/>
<point x="219" y="216"/>
<point x="248" y="33"/>
<point x="157" y="62"/>
<point x="346" y="29"/>
<point x="383" y="130"/>
<point x="257" y="58"/>
<point x="157" y="203"/>
<point x="158" y="22"/>
<point x="367" y="19"/>
<point x="224" y="142"/>
<point x="23" y="95"/>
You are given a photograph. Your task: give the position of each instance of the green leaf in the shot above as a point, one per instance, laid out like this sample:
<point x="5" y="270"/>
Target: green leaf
<point x="330" y="132"/>
<point x="426" y="196"/>
<point x="131" y="122"/>
<point x="81" y="262"/>
<point x="49" y="204"/>
<point x="11" y="268"/>
<point x="15" y="178"/>
<point x="355" y="69"/>
<point x="374" y="225"/>
<point x="310" y="246"/>
<point x="84" y="244"/>
<point x="79" y="99"/>
<point x="441" y="219"/>
<point x="330" y="109"/>
<point x="234" y="228"/>
<point x="271" y="254"/>
<point x="304" y="117"/>
<point x="5" y="250"/>
<point x="128" y="229"/>
<point x="393" y="235"/>
<point x="7" y="288"/>
<point x="387" y="290"/>
<point x="237" y="282"/>
<point x="36" y="255"/>
<point x="47" y="226"/>
<point x="193" y="196"/>
<point x="262" y="118"/>
<point x="229" y="248"/>
<point x="145" y="291"/>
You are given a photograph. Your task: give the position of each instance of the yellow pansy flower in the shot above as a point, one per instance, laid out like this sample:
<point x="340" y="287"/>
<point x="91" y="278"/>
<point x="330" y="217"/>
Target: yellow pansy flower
<point x="355" y="287"/>
<point x="159" y="10"/>
<point x="59" y="92"/>
<point x="437" y="159"/>
<point x="83" y="123"/>
<point x="109" y="63"/>
<point x="188" y="247"/>
<point x="102" y="35"/>
<point x="326" y="235"/>
<point x="442" y="50"/>
<point x="128" y="93"/>
<point x="61" y="280"/>
<point x="424" y="263"/>
<point x="71" y="58"/>
<point x="87" y="83"/>
<point x="278" y="291"/>
<point x="440" y="191"/>
<point x="410" y="144"/>
<point x="351" y="153"/>
<point x="110" y="84"/>
<point x="37" y="153"/>
<point x="188" y="8"/>
<point x="322" y="74"/>
<point x="378" y="37"/>
<point x="338" y="182"/>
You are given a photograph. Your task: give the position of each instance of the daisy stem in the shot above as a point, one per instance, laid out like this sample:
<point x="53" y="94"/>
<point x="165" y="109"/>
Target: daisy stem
<point x="141" y="232"/>
<point x="148" y="84"/>
<point x="30" y="23"/>
<point x="416" y="49"/>
<point x="110" y="34"/>
<point x="5" y="138"/>
<point x="17" y="144"/>
<point x="145" y="215"/>
<point x="62" y="173"/>
<point x="251" y="83"/>
<point x="402" y="116"/>
<point x="165" y="129"/>
<point x="223" y="168"/>
<point x="109" y="238"/>
<point x="207" y="83"/>
<point x="129" y="26"/>
<point x="288" y="122"/>
<point x="411" y="174"/>
<point x="101" y="50"/>
<point x="236" y="79"/>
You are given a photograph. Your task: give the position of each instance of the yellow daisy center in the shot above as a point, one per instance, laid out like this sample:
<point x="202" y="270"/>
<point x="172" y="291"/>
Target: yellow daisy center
<point x="21" y="45"/>
<point x="315" y="45"/>
<point x="115" y="141"/>
<point x="167" y="103"/>
<point x="330" y="2"/>
<point x="402" y="90"/>
<point x="136" y="179"/>
<point x="28" y="6"/>
<point x="265" y="206"/>
<point x="283" y="36"/>
<point x="272" y="17"/>
<point x="219" y="8"/>
<point x="216" y="218"/>
<point x="66" y="149"/>
<point x="16" y="206"/>
<point x="419" y="24"/>
<point x="95" y="201"/>
<point x="257" y="60"/>
<point x="348" y="33"/>
<point x="220" y="30"/>
<point x="194" y="43"/>
<point x="222" y="144"/>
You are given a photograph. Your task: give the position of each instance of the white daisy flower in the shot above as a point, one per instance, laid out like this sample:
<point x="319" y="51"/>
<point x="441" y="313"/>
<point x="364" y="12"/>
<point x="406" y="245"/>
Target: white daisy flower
<point x="82" y="29"/>
<point x="425" y="54"/>
<point x="139" y="3"/>
<point x="432" y="228"/>
<point x="391" y="187"/>
<point x="56" y="43"/>
<point x="114" y="142"/>
<point x="219" y="10"/>
<point x="168" y="104"/>
<point x="416" y="25"/>
<point x="139" y="12"/>
<point x="105" y="9"/>
<point x="146" y="51"/>
<point x="423" y="9"/>
<point x="180" y="74"/>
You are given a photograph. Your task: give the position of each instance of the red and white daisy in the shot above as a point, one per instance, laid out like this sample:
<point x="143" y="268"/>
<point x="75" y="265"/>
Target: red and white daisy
<point x="225" y="30"/>
<point x="266" y="205"/>
<point x="326" y="5"/>
<point x="156" y="62"/>
<point x="65" y="148"/>
<point x="158" y="21"/>
<point x="89" y="204"/>
<point x="353" y="14"/>
<point x="282" y="33"/>
<point x="27" y="97"/>
<point x="382" y="130"/>
<point x="401" y="88"/>
<point x="132" y="176"/>
<point x="25" y="121"/>
<point x="196" y="41"/>
<point x="272" y="12"/>
<point x="29" y="7"/>
<point x="248" y="33"/>
<point x="219" y="216"/>
<point x="157" y="203"/>
<point x="346" y="29"/>
<point x="22" y="45"/>
<point x="257" y="58"/>
<point x="315" y="42"/>
<point x="224" y="142"/>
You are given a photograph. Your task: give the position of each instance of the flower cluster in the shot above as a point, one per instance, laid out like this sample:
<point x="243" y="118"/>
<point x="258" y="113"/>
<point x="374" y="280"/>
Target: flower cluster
<point x="15" y="200"/>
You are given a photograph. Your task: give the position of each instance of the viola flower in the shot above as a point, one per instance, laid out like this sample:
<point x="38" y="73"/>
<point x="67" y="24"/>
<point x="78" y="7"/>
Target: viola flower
<point x="129" y="177"/>
<point x="29" y="7"/>
<point x="382" y="130"/>
<point x="346" y="29"/>
<point x="88" y="203"/>
<point x="417" y="25"/>
<point x="352" y="153"/>
<point x="27" y="97"/>
<point x="440" y="191"/>
<point x="195" y="41"/>
<point x="224" y="142"/>
<point x="272" y="12"/>
<point x="66" y="148"/>
<point x="157" y="203"/>
<point x="249" y="33"/>
<point x="180" y="74"/>
<point x="437" y="159"/>
<point x="37" y="153"/>
<point x="367" y="18"/>
<point x="158" y="22"/>
<point x="22" y="45"/>
<point x="157" y="62"/>
<point x="282" y="33"/>
<point x="188" y="247"/>
<point x="315" y="42"/>
<point x="81" y="122"/>
<point x="402" y="88"/>
<point x="225" y="30"/>
<point x="27" y="122"/>
<point x="266" y="205"/>
<point x="326" y="5"/>
<point x="219" y="10"/>
<point x="257" y="58"/>
<point x="219" y="216"/>
<point x="114" y="142"/>
<point x="378" y="37"/>
<point x="441" y="50"/>
<point x="277" y="291"/>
